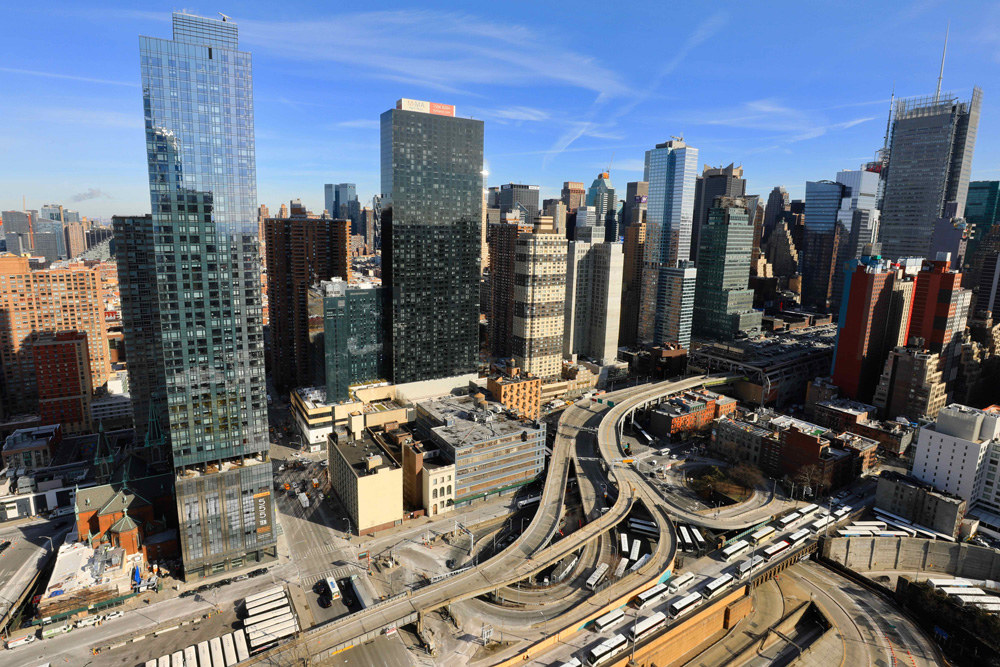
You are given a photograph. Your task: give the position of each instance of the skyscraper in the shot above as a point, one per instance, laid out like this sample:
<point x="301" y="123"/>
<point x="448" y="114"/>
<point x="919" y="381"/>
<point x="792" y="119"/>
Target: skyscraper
<point x="601" y="195"/>
<point x="857" y="222"/>
<point x="930" y="160"/>
<point x="573" y="195"/>
<point x="432" y="181"/>
<point x="539" y="298"/>
<point x="822" y="237"/>
<point x="777" y="203"/>
<point x="341" y="201"/>
<point x="520" y="199"/>
<point x="714" y="182"/>
<point x="635" y="243"/>
<point x="982" y="213"/>
<point x="635" y="204"/>
<point x="191" y="293"/>
<point x="666" y="302"/>
<point x="501" y="238"/>
<point x="723" y="306"/>
<point x="593" y="295"/>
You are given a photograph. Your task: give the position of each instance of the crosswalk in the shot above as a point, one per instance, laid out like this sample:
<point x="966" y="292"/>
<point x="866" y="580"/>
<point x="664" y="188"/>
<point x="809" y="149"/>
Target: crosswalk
<point x="336" y="573"/>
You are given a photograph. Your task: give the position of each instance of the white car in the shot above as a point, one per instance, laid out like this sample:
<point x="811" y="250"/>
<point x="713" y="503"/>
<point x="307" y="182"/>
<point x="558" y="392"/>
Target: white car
<point x="86" y="622"/>
<point x="113" y="614"/>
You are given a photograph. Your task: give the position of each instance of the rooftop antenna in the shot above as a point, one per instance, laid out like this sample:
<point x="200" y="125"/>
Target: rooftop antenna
<point x="224" y="17"/>
<point x="888" y="121"/>
<point x="610" y="162"/>
<point x="937" y="95"/>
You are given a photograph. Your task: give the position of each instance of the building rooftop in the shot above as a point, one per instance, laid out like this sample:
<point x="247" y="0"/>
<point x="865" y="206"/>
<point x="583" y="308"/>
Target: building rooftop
<point x="784" y="421"/>
<point x="30" y="438"/>
<point x="366" y="456"/>
<point x="852" y="407"/>
<point x="466" y="420"/>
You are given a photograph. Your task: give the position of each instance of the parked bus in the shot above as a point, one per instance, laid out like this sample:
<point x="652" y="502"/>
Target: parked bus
<point x="279" y="595"/>
<point x="620" y="570"/>
<point x="636" y="546"/>
<point x="572" y="662"/>
<point x="808" y="510"/>
<point x="361" y="593"/>
<point x="869" y="525"/>
<point x="789" y="520"/>
<point x="242" y="649"/>
<point x="610" y="619"/>
<point x="716" y="586"/>
<point x="530" y="500"/>
<point x="215" y="647"/>
<point x="681" y="605"/>
<point x="164" y="661"/>
<point x="651" y="596"/>
<point x="177" y="659"/>
<point x="842" y="512"/>
<point x="643" y="436"/>
<point x="748" y="566"/>
<point x="798" y="537"/>
<point x="677" y="583"/>
<point x="889" y="517"/>
<point x="607" y="650"/>
<point x="892" y="533"/>
<point x="190" y="656"/>
<point x="284" y="618"/>
<point x="775" y="550"/>
<point x="820" y="524"/>
<point x="951" y="583"/>
<point x="901" y="528"/>
<point x="686" y="542"/>
<point x="963" y="590"/>
<point x="762" y="535"/>
<point x="853" y="532"/>
<point x="204" y="654"/>
<point x="624" y="538"/>
<point x="639" y="563"/>
<point x="272" y="631"/>
<point x="257" y="597"/>
<point x="698" y="539"/>
<point x="644" y="527"/>
<point x="270" y="638"/>
<point x="735" y="550"/>
<point x="229" y="650"/>
<point x="597" y="576"/>
<point x="264" y="607"/>
<point x="647" y="626"/>
<point x="266" y="616"/>
<point x="334" y="589"/>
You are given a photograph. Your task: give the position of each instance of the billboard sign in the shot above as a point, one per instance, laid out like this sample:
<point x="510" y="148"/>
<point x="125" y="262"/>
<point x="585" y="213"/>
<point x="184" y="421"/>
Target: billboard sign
<point x="262" y="510"/>
<point x="641" y="199"/>
<point x="420" y="106"/>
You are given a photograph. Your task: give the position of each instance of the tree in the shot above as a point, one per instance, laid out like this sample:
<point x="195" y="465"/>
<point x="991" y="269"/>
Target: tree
<point x="746" y="475"/>
<point x="809" y="476"/>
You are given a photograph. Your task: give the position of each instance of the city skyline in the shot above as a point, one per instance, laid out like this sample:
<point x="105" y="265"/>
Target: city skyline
<point x="797" y="122"/>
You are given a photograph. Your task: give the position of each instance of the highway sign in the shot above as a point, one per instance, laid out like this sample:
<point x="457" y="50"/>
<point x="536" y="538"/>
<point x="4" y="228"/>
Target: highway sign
<point x="363" y="555"/>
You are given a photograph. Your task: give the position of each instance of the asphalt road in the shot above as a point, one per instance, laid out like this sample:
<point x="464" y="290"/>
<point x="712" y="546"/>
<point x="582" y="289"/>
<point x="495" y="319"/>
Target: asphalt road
<point x="28" y="552"/>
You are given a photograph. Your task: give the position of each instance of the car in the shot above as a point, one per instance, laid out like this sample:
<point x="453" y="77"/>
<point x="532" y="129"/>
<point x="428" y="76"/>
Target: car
<point x="256" y="573"/>
<point x="187" y="594"/>
<point x="113" y="614"/>
<point x="325" y="601"/>
<point x="281" y="468"/>
<point x="205" y="588"/>
<point x="242" y="577"/>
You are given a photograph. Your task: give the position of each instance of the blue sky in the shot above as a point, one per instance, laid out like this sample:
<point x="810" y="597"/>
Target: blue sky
<point x="794" y="91"/>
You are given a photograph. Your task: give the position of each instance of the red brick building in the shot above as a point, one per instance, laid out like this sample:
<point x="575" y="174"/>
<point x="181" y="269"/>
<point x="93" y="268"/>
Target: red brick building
<point x="689" y="412"/>
<point x="62" y="376"/>
<point x="130" y="515"/>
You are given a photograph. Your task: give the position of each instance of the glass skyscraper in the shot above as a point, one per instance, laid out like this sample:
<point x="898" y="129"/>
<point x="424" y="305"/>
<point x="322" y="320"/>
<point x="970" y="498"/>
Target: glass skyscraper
<point x="202" y="314"/>
<point x="822" y="238"/>
<point x="432" y="187"/>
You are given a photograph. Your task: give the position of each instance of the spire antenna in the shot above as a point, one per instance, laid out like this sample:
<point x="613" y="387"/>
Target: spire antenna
<point x="888" y="122"/>
<point x="937" y="96"/>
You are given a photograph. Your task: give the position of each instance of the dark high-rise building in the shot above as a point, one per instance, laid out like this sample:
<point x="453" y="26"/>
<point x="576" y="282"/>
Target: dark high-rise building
<point x="501" y="238"/>
<point x="432" y="182"/>
<point x="191" y="296"/>
<point x="930" y="160"/>
<point x="301" y="250"/>
<point x="723" y="306"/>
<point x="635" y="204"/>
<point x="635" y="242"/>
<point x="601" y="196"/>
<point x="519" y="199"/>
<point x="982" y="213"/>
<point x="573" y="195"/>
<point x="822" y="238"/>
<point x="713" y="182"/>
<point x="777" y="203"/>
<point x="353" y="335"/>
<point x="341" y="201"/>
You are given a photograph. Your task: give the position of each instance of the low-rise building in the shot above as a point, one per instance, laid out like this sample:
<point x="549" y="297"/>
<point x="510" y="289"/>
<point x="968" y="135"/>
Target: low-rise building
<point x="368" y="482"/>
<point x="689" y="412"/>
<point x="428" y="479"/>
<point x="113" y="412"/>
<point x="369" y="407"/>
<point x="859" y="418"/>
<point x="804" y="454"/>
<point x="519" y="393"/>
<point x="31" y="447"/>
<point x="736" y="440"/>
<point x="920" y="503"/>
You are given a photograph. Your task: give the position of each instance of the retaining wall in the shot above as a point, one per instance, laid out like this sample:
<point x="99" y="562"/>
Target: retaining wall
<point x="866" y="554"/>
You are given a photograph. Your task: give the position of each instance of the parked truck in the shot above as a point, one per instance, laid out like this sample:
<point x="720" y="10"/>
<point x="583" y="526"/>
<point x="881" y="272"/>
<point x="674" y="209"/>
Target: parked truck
<point x="304" y="500"/>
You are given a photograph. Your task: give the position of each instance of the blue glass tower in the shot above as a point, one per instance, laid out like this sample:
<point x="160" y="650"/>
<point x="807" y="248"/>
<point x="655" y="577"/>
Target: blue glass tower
<point x="204" y="313"/>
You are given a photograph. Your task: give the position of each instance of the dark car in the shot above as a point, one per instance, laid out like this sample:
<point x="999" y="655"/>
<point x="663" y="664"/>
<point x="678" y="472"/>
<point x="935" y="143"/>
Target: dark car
<point x="259" y="571"/>
<point x="222" y="582"/>
<point x="187" y="594"/>
<point x="319" y="587"/>
<point x="205" y="587"/>
<point x="325" y="601"/>
<point x="4" y="545"/>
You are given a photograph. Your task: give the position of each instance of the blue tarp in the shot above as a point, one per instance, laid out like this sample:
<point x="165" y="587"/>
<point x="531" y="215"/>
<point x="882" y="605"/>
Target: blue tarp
<point x="136" y="576"/>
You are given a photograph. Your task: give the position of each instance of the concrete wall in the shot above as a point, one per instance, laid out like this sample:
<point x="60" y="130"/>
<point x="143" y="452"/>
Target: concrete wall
<point x="865" y="554"/>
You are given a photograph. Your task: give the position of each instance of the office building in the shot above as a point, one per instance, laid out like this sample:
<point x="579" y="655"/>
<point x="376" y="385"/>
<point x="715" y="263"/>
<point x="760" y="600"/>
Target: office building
<point x="911" y="385"/>
<point x="940" y="306"/>
<point x="501" y="239"/>
<point x="874" y="319"/>
<point x="62" y="378"/>
<point x="635" y="204"/>
<point x="714" y="182"/>
<point x="920" y="503"/>
<point x="428" y="478"/>
<point x="493" y="453"/>
<point x="858" y="216"/>
<point x="689" y="411"/>
<point x="950" y="236"/>
<point x="781" y="250"/>
<point x="431" y="222"/>
<point x="199" y="281"/>
<point x="353" y="335"/>
<point x="988" y="294"/>
<point x="62" y="299"/>
<point x="982" y="213"/>
<point x="667" y="295"/>
<point x="593" y="295"/>
<point x="723" y="306"/>
<point x="521" y="200"/>
<point x="76" y="239"/>
<point x="369" y="483"/>
<point x="822" y="238"/>
<point x="341" y="201"/>
<point x="778" y="203"/>
<point x="952" y="455"/>
<point x="517" y="391"/>
<point x="18" y="228"/>
<point x="930" y="160"/>
<point x="601" y="196"/>
<point x="634" y="247"/>
<point x="539" y="296"/>
<point x="573" y="195"/>
<point x="301" y="250"/>
<point x="555" y="209"/>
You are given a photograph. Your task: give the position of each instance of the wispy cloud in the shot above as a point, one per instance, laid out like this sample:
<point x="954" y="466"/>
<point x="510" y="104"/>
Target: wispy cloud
<point x="93" y="117"/>
<point x="360" y="123"/>
<point x="432" y="49"/>
<point x="91" y="193"/>
<point x="71" y="77"/>
<point x="512" y="114"/>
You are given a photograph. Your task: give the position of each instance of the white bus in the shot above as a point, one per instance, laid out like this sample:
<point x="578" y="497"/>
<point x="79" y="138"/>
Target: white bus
<point x="677" y="583"/>
<point x="651" y="596"/>
<point x="190" y="656"/>
<point x="735" y="550"/>
<point x="868" y="524"/>
<point x="215" y="647"/>
<point x="748" y="566"/>
<point x="789" y="520"/>
<point x="762" y="535"/>
<point x="716" y="586"/>
<point x="610" y="619"/>
<point x="842" y="512"/>
<point x="624" y="537"/>
<point x="284" y="618"/>
<point x="963" y="590"/>
<point x="607" y="650"/>
<point x="892" y="533"/>
<point x="639" y="563"/>
<point x="854" y="532"/>
<point x="820" y="524"/>
<point x="264" y="607"/>
<point x="808" y="510"/>
<point x="951" y="583"/>
<point x="149" y="663"/>
<point x="257" y="597"/>
<point x="280" y="595"/>
<point x="242" y="649"/>
<point x="530" y="500"/>
<point x="177" y="659"/>
<point x="620" y="570"/>
<point x="798" y="537"/>
<point x="636" y="546"/>
<point x="334" y="589"/>
<point x="647" y="626"/>
<point x="229" y="650"/>
<point x="164" y="661"/>
<point x="775" y="550"/>
<point x="266" y="616"/>
<point x="698" y="539"/>
<point x="598" y="575"/>
<point x="270" y="638"/>
<point x="572" y="662"/>
<point x="678" y="607"/>
<point x="204" y="654"/>
<point x="685" y="538"/>
<point x="644" y="527"/>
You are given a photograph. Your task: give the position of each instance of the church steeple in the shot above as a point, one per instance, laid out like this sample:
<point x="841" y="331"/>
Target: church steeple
<point x="104" y="457"/>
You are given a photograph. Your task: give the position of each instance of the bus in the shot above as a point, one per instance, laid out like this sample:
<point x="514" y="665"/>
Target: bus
<point x="257" y="597"/>
<point x="647" y="625"/>
<point x="699" y="541"/>
<point x="808" y="510"/>
<point x="610" y="619"/>
<point x="229" y="650"/>
<point x="788" y="520"/>
<point x="242" y="650"/>
<point x="643" y="436"/>
<point x="775" y="550"/>
<point x="204" y="654"/>
<point x="854" y="532"/>
<point x="267" y="615"/>
<point x="686" y="542"/>
<point x="964" y="590"/>
<point x="279" y="595"/>
<point x="735" y="550"/>
<point x="164" y="661"/>
<point x="620" y="570"/>
<point x="190" y="656"/>
<point x="902" y="528"/>
<point x="680" y="582"/>
<point x="639" y="563"/>
<point x="530" y="500"/>
<point x="177" y="659"/>
<point x="624" y="538"/>
<point x="842" y="512"/>
<point x="748" y="566"/>
<point x="924" y="533"/>
<point x="264" y="607"/>
<point x="869" y="525"/>
<point x="763" y="535"/>
<point x="882" y="515"/>
<point x="572" y="662"/>
<point x="149" y="663"/>
<point x="334" y="589"/>
<point x="597" y="576"/>
<point x="215" y="648"/>
<point x="716" y="586"/>
<point x="361" y="593"/>
<point x="272" y="631"/>
<point x="651" y="596"/>
<point x="798" y="537"/>
<point x="636" y="546"/>
<point x="678" y="607"/>
<point x="269" y="638"/>
<point x="892" y="533"/>
<point x="607" y="650"/>
<point x="644" y="527"/>
<point x="951" y="583"/>
<point x="820" y="524"/>
<point x="284" y="618"/>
